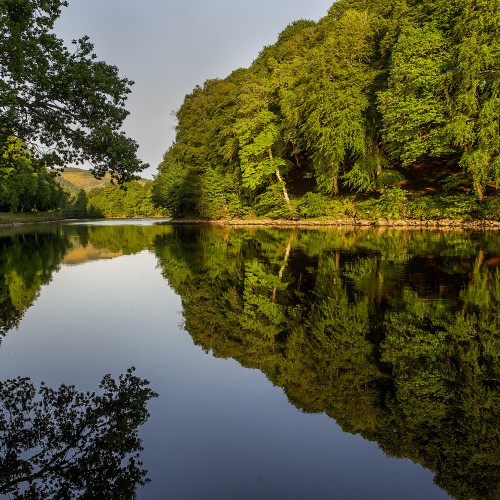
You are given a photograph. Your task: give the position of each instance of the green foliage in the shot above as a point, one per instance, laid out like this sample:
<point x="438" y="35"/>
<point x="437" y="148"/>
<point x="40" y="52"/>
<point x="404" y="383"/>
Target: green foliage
<point x="316" y="205"/>
<point x="270" y="204"/>
<point x="236" y="207"/>
<point x="474" y="108"/>
<point x="398" y="203"/>
<point x="313" y="205"/>
<point x="335" y="98"/>
<point x="348" y="104"/>
<point x="213" y="203"/>
<point x="393" y="203"/>
<point x="24" y="184"/>
<point x="458" y="206"/>
<point x="176" y="187"/>
<point x="131" y="199"/>
<point x="360" y="177"/>
<point x="76" y="207"/>
<point x="58" y="443"/>
<point x="67" y="106"/>
<point x="490" y="208"/>
<point x="414" y="106"/>
<point x="453" y="206"/>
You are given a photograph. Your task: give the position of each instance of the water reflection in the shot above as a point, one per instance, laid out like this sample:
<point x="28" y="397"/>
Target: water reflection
<point x="27" y="260"/>
<point x="66" y="444"/>
<point x="394" y="334"/>
<point x="29" y="256"/>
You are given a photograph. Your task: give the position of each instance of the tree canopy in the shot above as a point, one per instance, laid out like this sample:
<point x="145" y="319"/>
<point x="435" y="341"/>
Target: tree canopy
<point x="66" y="105"/>
<point x="356" y="102"/>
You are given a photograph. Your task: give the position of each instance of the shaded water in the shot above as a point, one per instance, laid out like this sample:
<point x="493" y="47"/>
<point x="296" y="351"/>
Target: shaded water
<point x="289" y="364"/>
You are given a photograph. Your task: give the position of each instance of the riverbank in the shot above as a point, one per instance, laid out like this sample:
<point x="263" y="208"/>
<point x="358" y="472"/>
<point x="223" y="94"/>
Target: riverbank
<point x="9" y="220"/>
<point x="22" y="218"/>
<point x="352" y="222"/>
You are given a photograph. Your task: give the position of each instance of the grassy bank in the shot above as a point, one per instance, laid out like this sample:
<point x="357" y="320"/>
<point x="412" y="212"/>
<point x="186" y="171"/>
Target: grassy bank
<point x="13" y="219"/>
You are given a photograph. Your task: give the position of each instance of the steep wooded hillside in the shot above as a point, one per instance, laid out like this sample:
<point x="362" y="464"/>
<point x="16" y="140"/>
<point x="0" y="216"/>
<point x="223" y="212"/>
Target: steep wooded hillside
<point x="369" y="99"/>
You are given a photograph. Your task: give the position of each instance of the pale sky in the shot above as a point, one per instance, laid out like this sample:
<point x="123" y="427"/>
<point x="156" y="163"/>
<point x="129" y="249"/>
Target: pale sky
<point x="167" y="47"/>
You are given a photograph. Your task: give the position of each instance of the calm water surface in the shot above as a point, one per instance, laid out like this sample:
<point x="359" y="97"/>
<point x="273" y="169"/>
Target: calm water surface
<point x="322" y="364"/>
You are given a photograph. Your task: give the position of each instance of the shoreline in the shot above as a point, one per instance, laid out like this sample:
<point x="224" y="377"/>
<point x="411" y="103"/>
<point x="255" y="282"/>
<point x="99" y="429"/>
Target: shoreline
<point x="450" y="224"/>
<point x="351" y="222"/>
<point x="33" y="223"/>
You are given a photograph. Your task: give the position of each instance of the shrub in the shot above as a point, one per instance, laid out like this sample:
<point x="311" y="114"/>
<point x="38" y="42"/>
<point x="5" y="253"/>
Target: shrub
<point x="272" y="204"/>
<point x="393" y="203"/>
<point x="312" y="205"/>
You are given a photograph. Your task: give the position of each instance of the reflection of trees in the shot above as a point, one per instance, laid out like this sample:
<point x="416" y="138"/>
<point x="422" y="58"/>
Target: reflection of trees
<point x="446" y="364"/>
<point x="29" y="257"/>
<point x="64" y="443"/>
<point x="27" y="261"/>
<point x="126" y="239"/>
<point x="395" y="340"/>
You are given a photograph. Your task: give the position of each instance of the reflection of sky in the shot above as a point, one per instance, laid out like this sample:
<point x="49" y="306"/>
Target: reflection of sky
<point x="169" y="47"/>
<point x="218" y="431"/>
<point x="120" y="222"/>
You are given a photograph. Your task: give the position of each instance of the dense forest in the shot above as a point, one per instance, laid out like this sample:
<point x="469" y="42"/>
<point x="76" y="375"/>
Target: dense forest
<point x="130" y="199"/>
<point x="381" y="102"/>
<point x="379" y="109"/>
<point x="25" y="183"/>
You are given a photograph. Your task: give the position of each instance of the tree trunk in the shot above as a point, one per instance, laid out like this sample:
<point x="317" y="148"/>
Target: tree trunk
<point x="282" y="182"/>
<point x="335" y="185"/>
<point x="479" y="191"/>
<point x="282" y="269"/>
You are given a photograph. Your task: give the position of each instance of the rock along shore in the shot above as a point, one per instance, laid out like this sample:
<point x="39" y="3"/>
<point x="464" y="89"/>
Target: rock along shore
<point x="351" y="222"/>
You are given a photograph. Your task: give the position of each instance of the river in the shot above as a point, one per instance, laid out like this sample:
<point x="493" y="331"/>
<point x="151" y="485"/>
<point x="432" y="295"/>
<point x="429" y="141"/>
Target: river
<point x="323" y="363"/>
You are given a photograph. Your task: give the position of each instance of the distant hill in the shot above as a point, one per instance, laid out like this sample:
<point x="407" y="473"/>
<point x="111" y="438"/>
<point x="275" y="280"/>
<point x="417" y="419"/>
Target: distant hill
<point x="73" y="179"/>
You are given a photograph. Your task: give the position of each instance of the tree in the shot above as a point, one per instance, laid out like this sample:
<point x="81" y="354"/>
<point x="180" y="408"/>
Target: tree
<point x="258" y="134"/>
<point x="24" y="183"/>
<point x="414" y="106"/>
<point x="200" y="173"/>
<point x="68" y="107"/>
<point x="62" y="443"/>
<point x="372" y="89"/>
<point x="474" y="125"/>
<point x="332" y="96"/>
